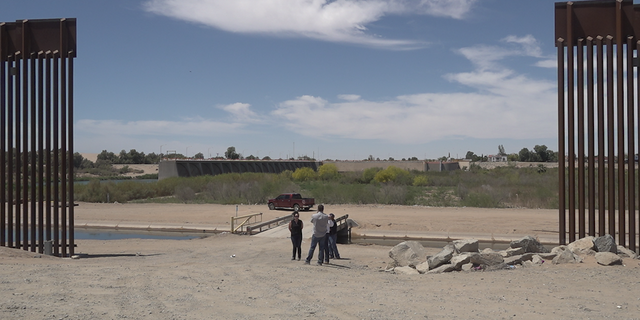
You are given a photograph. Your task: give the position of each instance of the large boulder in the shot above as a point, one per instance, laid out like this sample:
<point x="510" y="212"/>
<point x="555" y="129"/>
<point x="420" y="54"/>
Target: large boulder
<point x="608" y="258"/>
<point x="624" y="252"/>
<point x="606" y="243"/>
<point x="567" y="256"/>
<point x="466" y="245"/>
<point x="443" y="268"/>
<point x="582" y="246"/>
<point x="442" y="257"/>
<point x="408" y="253"/>
<point x="405" y="270"/>
<point x="460" y="260"/>
<point x="513" y="260"/>
<point x="423" y="267"/>
<point x="512" y="252"/>
<point x="530" y="244"/>
<point x="486" y="259"/>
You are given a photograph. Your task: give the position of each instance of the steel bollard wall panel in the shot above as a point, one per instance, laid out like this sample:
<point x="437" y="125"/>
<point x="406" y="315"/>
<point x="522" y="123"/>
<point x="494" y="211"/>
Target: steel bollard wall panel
<point x="598" y="119"/>
<point x="36" y="116"/>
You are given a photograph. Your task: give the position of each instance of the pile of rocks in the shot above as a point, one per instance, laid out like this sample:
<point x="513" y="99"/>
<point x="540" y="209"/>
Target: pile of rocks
<point x="463" y="255"/>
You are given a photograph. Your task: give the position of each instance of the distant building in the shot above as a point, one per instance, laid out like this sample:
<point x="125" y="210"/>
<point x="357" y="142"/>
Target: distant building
<point x="496" y="158"/>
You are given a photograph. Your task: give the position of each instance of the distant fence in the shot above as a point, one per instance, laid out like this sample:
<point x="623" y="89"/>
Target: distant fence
<point x="36" y="135"/>
<point x="193" y="168"/>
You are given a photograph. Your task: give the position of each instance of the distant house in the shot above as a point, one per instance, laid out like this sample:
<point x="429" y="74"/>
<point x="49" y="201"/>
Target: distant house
<point x="496" y="158"/>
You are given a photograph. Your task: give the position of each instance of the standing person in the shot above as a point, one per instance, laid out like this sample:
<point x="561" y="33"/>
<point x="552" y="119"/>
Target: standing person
<point x="295" y="226"/>
<point x="326" y="242"/>
<point x="320" y="221"/>
<point x="333" y="238"/>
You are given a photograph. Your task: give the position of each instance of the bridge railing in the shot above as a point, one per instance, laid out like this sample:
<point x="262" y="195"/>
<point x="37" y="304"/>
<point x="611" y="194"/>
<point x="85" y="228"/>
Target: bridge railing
<point x="246" y="220"/>
<point x="257" y="228"/>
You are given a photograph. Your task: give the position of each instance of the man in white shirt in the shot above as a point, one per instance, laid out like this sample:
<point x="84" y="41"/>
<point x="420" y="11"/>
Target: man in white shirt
<point x="320" y="222"/>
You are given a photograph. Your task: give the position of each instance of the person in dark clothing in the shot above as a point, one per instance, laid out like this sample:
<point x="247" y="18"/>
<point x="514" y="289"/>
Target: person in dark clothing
<point x="295" y="226"/>
<point x="332" y="236"/>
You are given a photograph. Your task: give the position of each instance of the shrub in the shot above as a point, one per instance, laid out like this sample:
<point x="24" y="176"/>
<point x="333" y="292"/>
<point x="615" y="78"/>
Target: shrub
<point x="304" y="174"/>
<point x="184" y="193"/>
<point x="393" y="174"/>
<point x="420" y="181"/>
<point x="328" y="172"/>
<point x="369" y="174"/>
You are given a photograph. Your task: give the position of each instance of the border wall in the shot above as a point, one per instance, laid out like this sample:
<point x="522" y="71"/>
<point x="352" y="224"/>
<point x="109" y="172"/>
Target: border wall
<point x="354" y="166"/>
<point x="194" y="168"/>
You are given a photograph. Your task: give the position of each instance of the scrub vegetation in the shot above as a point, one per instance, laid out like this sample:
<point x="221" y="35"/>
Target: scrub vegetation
<point x="503" y="187"/>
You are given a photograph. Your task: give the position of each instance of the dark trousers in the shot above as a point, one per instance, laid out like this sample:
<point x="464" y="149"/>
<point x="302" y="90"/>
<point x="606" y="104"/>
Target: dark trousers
<point x="326" y="249"/>
<point x="296" y="240"/>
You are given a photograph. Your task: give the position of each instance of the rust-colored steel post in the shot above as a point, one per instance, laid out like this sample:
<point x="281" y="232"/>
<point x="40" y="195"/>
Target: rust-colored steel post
<point x="63" y="141"/>
<point x="18" y="155"/>
<point x="611" y="171"/>
<point x="601" y="147"/>
<point x="3" y="136"/>
<point x="620" y="124"/>
<point x="47" y="150"/>
<point x="70" y="163"/>
<point x="56" y="154"/>
<point x="36" y="97"/>
<point x="591" y="192"/>
<point x="581" y="190"/>
<point x="571" y="126"/>
<point x="631" y="171"/>
<point x="561" y="169"/>
<point x="32" y="153"/>
<point x="40" y="155"/>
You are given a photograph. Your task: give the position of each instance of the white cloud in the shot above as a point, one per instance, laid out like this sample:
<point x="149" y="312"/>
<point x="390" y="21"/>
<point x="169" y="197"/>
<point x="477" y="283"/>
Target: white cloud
<point x="349" y="97"/>
<point x="505" y="104"/>
<point x="486" y="57"/>
<point x="241" y="112"/>
<point x="549" y="63"/>
<point x="328" y="20"/>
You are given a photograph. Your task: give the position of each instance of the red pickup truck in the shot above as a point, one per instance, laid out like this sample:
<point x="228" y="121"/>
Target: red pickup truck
<point x="291" y="200"/>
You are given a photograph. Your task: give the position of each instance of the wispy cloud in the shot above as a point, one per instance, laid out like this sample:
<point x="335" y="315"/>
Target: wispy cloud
<point x="505" y="104"/>
<point x="185" y="127"/>
<point x="327" y="20"/>
<point x="486" y="56"/>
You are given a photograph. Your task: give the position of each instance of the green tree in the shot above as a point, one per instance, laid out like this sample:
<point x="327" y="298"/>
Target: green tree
<point x="501" y="151"/>
<point x="231" y="153"/>
<point x="80" y="162"/>
<point x="198" y="155"/>
<point x="107" y="156"/>
<point x="541" y="152"/>
<point x="524" y="154"/>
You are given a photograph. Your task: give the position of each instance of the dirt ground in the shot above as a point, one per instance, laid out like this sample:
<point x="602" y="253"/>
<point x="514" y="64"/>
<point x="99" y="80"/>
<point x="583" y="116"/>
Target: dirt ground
<point x="229" y="276"/>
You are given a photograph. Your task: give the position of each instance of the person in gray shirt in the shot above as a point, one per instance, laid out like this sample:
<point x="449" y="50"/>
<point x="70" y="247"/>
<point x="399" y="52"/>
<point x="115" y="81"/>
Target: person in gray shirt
<point x="320" y="222"/>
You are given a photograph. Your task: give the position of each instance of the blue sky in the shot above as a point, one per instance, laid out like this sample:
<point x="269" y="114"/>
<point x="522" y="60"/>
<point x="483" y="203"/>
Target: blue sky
<point x="331" y="79"/>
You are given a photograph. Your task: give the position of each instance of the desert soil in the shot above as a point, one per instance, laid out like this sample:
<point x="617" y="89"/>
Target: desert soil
<point x="229" y="276"/>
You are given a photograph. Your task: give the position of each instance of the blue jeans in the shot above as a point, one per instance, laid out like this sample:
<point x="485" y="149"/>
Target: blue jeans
<point x="320" y="243"/>
<point x="333" y="247"/>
